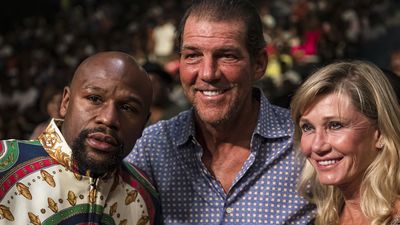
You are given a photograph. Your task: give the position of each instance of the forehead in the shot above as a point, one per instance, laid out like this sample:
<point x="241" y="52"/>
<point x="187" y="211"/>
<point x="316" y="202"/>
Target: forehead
<point x="110" y="76"/>
<point x="112" y="71"/>
<point x="333" y="104"/>
<point x="230" y="31"/>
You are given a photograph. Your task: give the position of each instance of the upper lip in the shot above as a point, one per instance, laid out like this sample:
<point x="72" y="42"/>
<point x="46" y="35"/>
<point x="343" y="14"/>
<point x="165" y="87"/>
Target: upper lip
<point x="211" y="89"/>
<point x="103" y="137"/>
<point x="327" y="158"/>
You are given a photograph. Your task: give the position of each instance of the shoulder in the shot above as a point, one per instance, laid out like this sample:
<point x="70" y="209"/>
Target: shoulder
<point x="396" y="213"/>
<point x="395" y="220"/>
<point x="136" y="174"/>
<point x="168" y="129"/>
<point x="10" y="151"/>
<point x="15" y="142"/>
<point x="275" y="112"/>
<point x="274" y="120"/>
<point x="397" y="208"/>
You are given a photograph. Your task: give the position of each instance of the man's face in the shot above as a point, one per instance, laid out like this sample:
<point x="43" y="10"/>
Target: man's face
<point x="216" y="70"/>
<point x="105" y="110"/>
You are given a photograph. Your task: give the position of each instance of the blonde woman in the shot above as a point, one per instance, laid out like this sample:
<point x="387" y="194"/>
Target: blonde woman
<point x="347" y="127"/>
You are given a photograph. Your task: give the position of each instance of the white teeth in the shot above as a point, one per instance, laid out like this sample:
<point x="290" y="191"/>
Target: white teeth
<point x="327" y="162"/>
<point x="212" y="93"/>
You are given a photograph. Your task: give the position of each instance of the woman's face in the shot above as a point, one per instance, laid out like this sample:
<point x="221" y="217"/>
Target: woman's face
<point x="338" y="140"/>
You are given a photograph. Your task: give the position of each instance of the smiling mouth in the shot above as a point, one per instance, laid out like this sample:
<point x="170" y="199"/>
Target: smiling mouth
<point x="328" y="162"/>
<point x="212" y="93"/>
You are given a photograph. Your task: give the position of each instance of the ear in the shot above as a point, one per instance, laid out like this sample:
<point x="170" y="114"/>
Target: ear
<point x="65" y="102"/>
<point x="260" y="64"/>
<point x="379" y="144"/>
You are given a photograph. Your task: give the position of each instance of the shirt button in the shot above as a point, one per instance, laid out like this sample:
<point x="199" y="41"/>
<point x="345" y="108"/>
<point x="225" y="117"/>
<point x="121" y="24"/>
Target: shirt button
<point x="229" y="210"/>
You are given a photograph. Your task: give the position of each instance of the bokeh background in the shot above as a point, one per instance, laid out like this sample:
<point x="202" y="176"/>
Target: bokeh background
<point x="42" y="42"/>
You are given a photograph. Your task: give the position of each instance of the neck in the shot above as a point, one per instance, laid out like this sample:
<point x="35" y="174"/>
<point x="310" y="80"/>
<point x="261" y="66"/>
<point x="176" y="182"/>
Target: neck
<point x="236" y="131"/>
<point x="352" y="212"/>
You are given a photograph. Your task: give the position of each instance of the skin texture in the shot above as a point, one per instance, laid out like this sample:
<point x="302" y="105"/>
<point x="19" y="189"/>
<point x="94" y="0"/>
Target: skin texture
<point x="214" y="58"/>
<point x="217" y="74"/>
<point x="105" y="110"/>
<point x="339" y="141"/>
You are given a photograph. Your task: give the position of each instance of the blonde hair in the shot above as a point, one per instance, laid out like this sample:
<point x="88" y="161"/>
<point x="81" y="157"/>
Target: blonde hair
<point x="372" y="94"/>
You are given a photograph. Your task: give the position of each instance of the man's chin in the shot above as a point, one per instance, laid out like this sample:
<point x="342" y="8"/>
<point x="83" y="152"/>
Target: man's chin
<point x="99" y="166"/>
<point x="97" y="162"/>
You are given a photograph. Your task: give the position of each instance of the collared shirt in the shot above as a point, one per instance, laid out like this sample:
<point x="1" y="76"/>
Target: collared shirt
<point x="40" y="184"/>
<point x="263" y="192"/>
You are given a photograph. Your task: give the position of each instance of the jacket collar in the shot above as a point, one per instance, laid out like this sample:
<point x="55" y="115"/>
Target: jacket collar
<point x="55" y="145"/>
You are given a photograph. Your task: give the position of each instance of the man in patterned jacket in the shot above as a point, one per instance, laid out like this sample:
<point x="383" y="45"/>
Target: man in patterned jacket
<point x="73" y="173"/>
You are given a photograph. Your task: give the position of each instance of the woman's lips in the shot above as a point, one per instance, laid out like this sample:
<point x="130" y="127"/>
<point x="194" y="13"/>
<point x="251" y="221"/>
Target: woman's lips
<point x="327" y="163"/>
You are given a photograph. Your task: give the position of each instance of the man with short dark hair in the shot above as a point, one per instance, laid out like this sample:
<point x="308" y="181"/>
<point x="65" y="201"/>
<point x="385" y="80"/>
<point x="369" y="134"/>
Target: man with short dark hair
<point x="229" y="159"/>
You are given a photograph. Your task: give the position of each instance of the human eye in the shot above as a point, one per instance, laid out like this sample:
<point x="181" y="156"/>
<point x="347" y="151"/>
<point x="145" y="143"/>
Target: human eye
<point x="94" y="99"/>
<point x="128" y="108"/>
<point x="190" y="56"/>
<point x="335" y="125"/>
<point x="306" y="127"/>
<point x="230" y="57"/>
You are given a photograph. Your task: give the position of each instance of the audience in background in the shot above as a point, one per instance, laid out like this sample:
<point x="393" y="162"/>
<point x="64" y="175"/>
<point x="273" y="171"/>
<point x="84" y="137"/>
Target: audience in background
<point x="395" y="62"/>
<point x="49" y="104"/>
<point x="162" y="107"/>
<point x="38" y="47"/>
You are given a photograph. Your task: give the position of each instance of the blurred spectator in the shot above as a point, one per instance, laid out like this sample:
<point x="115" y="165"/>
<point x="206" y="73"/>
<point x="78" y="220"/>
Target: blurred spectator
<point x="164" y="38"/>
<point x="49" y="106"/>
<point x="162" y="107"/>
<point x="395" y="81"/>
<point x="45" y="40"/>
<point x="395" y="62"/>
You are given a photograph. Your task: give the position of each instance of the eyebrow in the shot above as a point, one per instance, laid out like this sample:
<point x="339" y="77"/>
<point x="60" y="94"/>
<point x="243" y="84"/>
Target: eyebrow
<point x="327" y="118"/>
<point x="129" y="98"/>
<point x="134" y="99"/>
<point x="94" y="88"/>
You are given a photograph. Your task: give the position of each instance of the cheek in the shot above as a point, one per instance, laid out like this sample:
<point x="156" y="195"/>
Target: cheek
<point x="305" y="145"/>
<point x="187" y="73"/>
<point x="347" y="143"/>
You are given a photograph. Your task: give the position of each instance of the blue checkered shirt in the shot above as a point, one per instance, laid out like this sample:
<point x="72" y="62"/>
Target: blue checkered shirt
<point x="263" y="192"/>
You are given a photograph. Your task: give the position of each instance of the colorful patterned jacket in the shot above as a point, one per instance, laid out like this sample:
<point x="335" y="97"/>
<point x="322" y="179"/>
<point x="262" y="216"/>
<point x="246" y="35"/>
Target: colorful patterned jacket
<point x="40" y="185"/>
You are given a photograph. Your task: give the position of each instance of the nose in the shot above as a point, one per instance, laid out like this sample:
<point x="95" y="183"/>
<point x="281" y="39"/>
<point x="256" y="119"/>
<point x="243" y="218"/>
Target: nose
<point x="209" y="69"/>
<point x="108" y="116"/>
<point x="320" y="143"/>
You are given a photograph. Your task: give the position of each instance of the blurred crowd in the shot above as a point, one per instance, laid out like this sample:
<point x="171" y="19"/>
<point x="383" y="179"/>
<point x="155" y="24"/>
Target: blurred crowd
<point x="40" y="50"/>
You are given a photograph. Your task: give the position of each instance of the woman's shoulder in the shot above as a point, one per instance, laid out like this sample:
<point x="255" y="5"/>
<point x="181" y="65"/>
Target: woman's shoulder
<point x="396" y="217"/>
<point x="395" y="220"/>
<point x="397" y="207"/>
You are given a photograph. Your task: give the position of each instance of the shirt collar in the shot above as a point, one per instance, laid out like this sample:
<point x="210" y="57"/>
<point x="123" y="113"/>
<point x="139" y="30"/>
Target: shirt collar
<point x="186" y="132"/>
<point x="272" y="122"/>
<point x="55" y="145"/>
